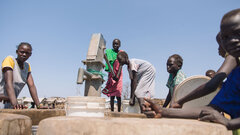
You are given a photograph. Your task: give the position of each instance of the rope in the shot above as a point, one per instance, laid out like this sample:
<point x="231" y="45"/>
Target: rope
<point x="95" y="72"/>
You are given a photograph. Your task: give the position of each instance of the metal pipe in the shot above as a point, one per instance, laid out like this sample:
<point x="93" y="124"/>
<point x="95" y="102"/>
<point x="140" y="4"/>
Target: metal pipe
<point x="83" y="74"/>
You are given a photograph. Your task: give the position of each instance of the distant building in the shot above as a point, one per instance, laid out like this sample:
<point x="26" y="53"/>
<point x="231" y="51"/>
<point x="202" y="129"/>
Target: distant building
<point x="28" y="102"/>
<point x="54" y="102"/>
<point x="20" y="100"/>
<point x="49" y="102"/>
<point x="60" y="103"/>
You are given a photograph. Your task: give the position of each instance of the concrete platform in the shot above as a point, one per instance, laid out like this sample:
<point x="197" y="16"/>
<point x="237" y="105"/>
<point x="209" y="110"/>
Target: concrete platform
<point x="127" y="126"/>
<point x="124" y="115"/>
<point x="36" y="115"/>
<point x="14" y="124"/>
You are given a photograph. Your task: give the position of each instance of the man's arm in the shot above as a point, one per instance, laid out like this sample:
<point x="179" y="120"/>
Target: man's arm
<point x="119" y="71"/>
<point x="233" y="124"/>
<point x="214" y="116"/>
<point x="3" y="98"/>
<point x="8" y="76"/>
<point x="133" y="88"/>
<point x="32" y="89"/>
<point x="130" y="72"/>
<point x="173" y="96"/>
<point x="228" y="65"/>
<point x="109" y="66"/>
<point x="168" y="99"/>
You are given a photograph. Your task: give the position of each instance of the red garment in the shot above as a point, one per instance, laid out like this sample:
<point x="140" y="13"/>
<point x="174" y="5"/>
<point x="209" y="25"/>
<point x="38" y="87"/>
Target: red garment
<point x="114" y="88"/>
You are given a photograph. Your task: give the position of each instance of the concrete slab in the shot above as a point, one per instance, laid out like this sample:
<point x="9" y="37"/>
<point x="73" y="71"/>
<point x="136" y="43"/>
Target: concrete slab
<point x="96" y="46"/>
<point x="127" y="126"/>
<point x="36" y="115"/>
<point x="124" y="115"/>
<point x="94" y="63"/>
<point x="14" y="124"/>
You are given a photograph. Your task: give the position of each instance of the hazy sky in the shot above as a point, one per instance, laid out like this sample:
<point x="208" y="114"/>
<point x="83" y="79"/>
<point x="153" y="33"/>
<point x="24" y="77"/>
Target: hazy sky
<point x="60" y="33"/>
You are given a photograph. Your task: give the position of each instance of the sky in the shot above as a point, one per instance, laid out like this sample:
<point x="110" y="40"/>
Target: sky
<point x="60" y="33"/>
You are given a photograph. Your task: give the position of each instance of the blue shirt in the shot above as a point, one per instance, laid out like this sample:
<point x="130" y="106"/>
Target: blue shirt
<point x="228" y="98"/>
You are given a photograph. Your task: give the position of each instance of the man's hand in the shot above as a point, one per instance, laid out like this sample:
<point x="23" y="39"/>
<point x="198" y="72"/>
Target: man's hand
<point x="4" y="98"/>
<point x="115" y="78"/>
<point x="19" y="106"/>
<point x="151" y="109"/>
<point x="43" y="107"/>
<point x="213" y="116"/>
<point x="175" y="105"/>
<point x="132" y="101"/>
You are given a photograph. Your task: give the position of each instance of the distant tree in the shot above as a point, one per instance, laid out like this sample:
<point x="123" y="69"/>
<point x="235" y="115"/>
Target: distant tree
<point x="126" y="90"/>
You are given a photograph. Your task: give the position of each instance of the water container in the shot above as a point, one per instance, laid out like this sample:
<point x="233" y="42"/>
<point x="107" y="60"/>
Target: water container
<point x="131" y="109"/>
<point x="188" y="85"/>
<point x="85" y="106"/>
<point x="34" y="129"/>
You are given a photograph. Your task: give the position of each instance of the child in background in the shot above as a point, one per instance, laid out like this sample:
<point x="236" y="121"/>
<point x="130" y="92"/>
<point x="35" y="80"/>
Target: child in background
<point x="15" y="73"/>
<point x="210" y="73"/>
<point x="142" y="75"/>
<point x="114" y="84"/>
<point x="176" y="75"/>
<point x="228" y="98"/>
<point x="221" y="51"/>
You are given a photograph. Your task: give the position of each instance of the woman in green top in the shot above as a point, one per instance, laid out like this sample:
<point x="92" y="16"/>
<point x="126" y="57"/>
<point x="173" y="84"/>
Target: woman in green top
<point x="114" y="84"/>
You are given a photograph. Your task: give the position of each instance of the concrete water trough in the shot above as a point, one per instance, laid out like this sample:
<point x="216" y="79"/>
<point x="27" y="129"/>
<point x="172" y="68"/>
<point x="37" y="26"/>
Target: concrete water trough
<point x="32" y="115"/>
<point x="36" y="115"/>
<point x="75" y="125"/>
<point x="54" y="122"/>
<point x="14" y="124"/>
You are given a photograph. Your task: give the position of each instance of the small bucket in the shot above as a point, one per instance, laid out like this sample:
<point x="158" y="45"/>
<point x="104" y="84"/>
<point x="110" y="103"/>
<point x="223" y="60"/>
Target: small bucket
<point x="130" y="109"/>
<point x="85" y="106"/>
<point x="34" y="129"/>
